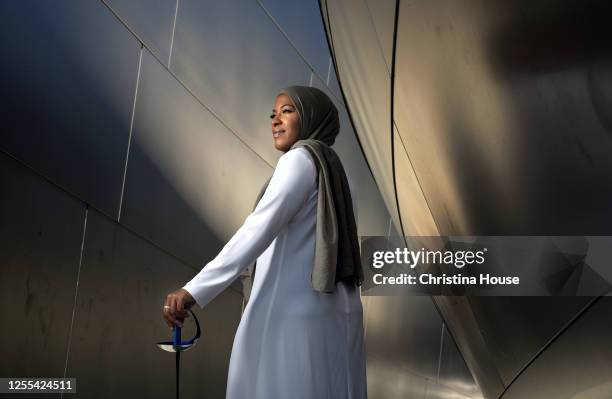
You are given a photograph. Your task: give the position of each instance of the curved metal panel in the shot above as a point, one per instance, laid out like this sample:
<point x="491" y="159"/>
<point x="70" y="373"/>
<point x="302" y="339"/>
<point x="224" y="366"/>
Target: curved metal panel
<point x="577" y="365"/>
<point x="151" y="20"/>
<point x="502" y="109"/>
<point x="503" y="145"/>
<point x="370" y="212"/>
<point x="463" y="326"/>
<point x="453" y="371"/>
<point x="253" y="58"/>
<point x="41" y="229"/>
<point x="386" y="381"/>
<point x="301" y="21"/>
<point x="516" y="328"/>
<point x="402" y="338"/>
<point x="190" y="182"/>
<point x="383" y="15"/>
<point x="367" y="87"/>
<point x="416" y="218"/>
<point x="122" y="286"/>
<point x="68" y="80"/>
<point x="505" y="132"/>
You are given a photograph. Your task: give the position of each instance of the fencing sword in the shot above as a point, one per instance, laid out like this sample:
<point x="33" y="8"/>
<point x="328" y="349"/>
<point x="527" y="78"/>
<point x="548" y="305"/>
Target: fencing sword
<point x="177" y="346"/>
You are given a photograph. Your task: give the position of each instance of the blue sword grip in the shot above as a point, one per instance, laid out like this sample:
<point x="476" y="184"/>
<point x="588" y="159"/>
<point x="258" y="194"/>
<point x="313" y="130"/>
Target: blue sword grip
<point x="176" y="335"/>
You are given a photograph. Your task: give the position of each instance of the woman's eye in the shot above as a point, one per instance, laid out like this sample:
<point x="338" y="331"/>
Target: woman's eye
<point x="286" y="110"/>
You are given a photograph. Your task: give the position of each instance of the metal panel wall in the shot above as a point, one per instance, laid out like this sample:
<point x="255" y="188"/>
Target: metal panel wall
<point x="121" y="288"/>
<point x="301" y="21"/>
<point x="506" y="145"/>
<point x="502" y="109"/>
<point x="190" y="182"/>
<point x="127" y="150"/>
<point x="506" y="131"/>
<point x="40" y="244"/>
<point x="68" y="84"/>
<point x="578" y="364"/>
<point x="383" y="15"/>
<point x="366" y="84"/>
<point x="234" y="58"/>
<point x="151" y="20"/>
<point x="414" y="209"/>
<point x="404" y="335"/>
<point x="370" y="212"/>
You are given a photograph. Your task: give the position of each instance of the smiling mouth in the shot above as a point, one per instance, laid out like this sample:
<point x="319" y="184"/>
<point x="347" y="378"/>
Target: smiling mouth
<point x="277" y="134"/>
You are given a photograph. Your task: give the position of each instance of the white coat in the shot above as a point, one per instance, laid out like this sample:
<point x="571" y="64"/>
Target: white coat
<point x="292" y="342"/>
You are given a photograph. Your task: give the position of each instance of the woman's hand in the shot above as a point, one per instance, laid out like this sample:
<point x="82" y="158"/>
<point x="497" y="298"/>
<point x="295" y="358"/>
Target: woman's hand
<point x="176" y="307"/>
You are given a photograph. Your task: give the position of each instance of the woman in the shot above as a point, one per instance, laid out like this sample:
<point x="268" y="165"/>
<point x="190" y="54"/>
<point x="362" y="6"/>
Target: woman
<point x="301" y="333"/>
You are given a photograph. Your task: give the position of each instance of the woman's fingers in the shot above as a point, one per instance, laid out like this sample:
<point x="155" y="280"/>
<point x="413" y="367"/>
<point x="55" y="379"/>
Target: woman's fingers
<point x="172" y="304"/>
<point x="175" y="309"/>
<point x="166" y="314"/>
<point x="179" y="304"/>
<point x="168" y="311"/>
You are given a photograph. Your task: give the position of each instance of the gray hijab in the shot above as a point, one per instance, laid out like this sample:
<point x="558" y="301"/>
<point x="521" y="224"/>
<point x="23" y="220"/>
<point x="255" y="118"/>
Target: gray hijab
<point x="337" y="248"/>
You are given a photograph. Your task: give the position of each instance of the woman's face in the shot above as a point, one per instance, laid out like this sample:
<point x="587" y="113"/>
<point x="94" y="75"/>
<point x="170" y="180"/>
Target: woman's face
<point x="285" y="123"/>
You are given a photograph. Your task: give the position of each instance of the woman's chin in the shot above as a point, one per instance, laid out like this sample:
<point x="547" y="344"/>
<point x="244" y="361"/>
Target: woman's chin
<point x="280" y="145"/>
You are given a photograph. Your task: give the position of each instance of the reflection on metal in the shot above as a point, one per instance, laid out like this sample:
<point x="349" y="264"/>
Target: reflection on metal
<point x="238" y="77"/>
<point x="152" y="25"/>
<point x="417" y="219"/>
<point x="576" y="364"/>
<point x="200" y="150"/>
<point x="68" y="81"/>
<point x="367" y="87"/>
<point x="409" y="352"/>
<point x="39" y="258"/>
<point x="122" y="271"/>
<point x="198" y="180"/>
<point x="502" y="112"/>
<point x="296" y="19"/>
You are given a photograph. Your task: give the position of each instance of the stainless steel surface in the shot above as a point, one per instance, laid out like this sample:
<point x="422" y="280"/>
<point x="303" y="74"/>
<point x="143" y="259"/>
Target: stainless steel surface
<point x="122" y="285"/>
<point x="516" y="328"/>
<point x="190" y="183"/>
<point x="505" y="131"/>
<point x="387" y="381"/>
<point x="151" y="21"/>
<point x="373" y="217"/>
<point x="301" y="21"/>
<point x="366" y="83"/>
<point x="233" y="57"/>
<point x="453" y="372"/>
<point x="40" y="242"/>
<point x="437" y="391"/>
<point x="463" y="326"/>
<point x="333" y="84"/>
<point x="577" y="365"/>
<point x="409" y="352"/>
<point x="370" y="212"/>
<point x="404" y="332"/>
<point x="383" y="16"/>
<point x="68" y="78"/>
<point x="502" y="109"/>
<point x="414" y="209"/>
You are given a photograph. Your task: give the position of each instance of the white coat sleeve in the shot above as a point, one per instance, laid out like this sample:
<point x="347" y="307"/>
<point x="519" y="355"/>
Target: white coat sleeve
<point x="293" y="180"/>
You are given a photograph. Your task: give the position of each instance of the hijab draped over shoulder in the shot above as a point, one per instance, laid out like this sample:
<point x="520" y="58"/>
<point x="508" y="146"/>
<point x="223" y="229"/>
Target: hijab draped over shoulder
<point x="337" y="248"/>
